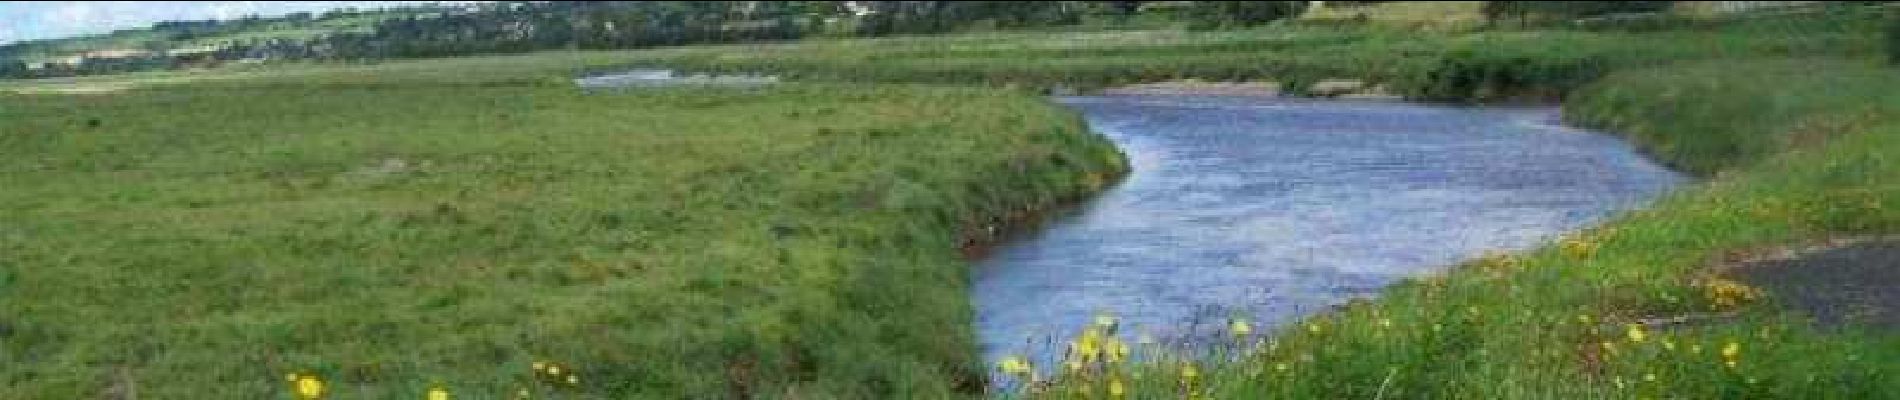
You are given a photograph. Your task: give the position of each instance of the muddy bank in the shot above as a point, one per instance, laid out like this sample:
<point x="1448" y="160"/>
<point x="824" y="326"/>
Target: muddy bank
<point x="1327" y="88"/>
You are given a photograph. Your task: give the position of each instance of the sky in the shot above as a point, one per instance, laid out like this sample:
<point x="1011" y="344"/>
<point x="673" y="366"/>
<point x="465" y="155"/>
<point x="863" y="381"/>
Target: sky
<point x="28" y="20"/>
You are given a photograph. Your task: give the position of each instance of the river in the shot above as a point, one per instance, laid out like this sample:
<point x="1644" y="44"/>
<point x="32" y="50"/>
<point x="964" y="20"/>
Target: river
<point x="1270" y="209"/>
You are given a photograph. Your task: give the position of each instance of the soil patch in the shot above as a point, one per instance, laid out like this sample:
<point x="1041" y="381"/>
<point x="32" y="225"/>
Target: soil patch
<point x="1856" y="283"/>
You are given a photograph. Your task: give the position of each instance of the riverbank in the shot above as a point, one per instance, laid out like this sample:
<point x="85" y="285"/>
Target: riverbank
<point x="1807" y="158"/>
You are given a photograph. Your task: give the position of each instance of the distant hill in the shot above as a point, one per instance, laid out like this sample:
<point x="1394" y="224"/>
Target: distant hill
<point x="174" y="37"/>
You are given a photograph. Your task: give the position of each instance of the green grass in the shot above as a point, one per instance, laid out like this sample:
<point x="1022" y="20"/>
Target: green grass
<point x="1487" y="65"/>
<point x="1453" y="66"/>
<point x="202" y="242"/>
<point x="1428" y="15"/>
<point x="396" y="225"/>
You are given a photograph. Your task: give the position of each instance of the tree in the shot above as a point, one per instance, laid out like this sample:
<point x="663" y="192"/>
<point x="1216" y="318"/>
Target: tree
<point x="1523" y="10"/>
<point x="1123" y="8"/>
<point x="1893" y="36"/>
<point x="13" y="69"/>
<point x="1220" y="14"/>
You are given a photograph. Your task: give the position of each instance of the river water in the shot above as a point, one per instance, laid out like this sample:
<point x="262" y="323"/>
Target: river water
<point x="1270" y="209"/>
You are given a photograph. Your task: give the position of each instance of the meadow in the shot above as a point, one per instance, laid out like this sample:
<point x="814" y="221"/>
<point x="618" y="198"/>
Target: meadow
<point x="203" y="242"/>
<point x="479" y="226"/>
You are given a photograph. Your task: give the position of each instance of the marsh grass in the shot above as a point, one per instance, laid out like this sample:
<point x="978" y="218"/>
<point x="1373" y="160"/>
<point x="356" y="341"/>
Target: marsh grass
<point x="203" y="241"/>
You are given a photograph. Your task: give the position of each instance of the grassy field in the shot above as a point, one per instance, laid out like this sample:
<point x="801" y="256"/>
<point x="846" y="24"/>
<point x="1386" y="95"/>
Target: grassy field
<point x="397" y="226"/>
<point x="202" y="242"/>
<point x="1452" y="66"/>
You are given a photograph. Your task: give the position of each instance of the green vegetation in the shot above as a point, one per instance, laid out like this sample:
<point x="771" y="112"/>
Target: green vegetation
<point x="203" y="241"/>
<point x="1474" y="66"/>
<point x="1417" y="15"/>
<point x="389" y="227"/>
<point x="1564" y="11"/>
<point x="1229" y="14"/>
<point x="523" y="26"/>
<point x="1893" y="36"/>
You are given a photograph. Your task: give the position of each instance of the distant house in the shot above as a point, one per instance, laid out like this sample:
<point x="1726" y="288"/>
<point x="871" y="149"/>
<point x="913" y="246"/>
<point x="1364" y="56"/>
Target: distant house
<point x="860" y="8"/>
<point x="191" y="51"/>
<point x="113" y="54"/>
<point x="1730" y="7"/>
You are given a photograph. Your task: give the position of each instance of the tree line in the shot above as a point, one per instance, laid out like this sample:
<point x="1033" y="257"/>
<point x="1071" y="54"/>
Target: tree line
<point x="521" y="26"/>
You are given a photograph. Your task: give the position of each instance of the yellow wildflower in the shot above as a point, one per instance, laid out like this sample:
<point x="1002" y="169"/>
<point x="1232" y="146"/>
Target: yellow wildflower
<point x="1188" y="372"/>
<point x="1668" y="345"/>
<point x="1115" y="388"/>
<point x="1087" y="347"/>
<point x="1578" y="248"/>
<point x="309" y="387"/>
<point x="1650" y="377"/>
<point x="1240" y="327"/>
<point x="1074" y="366"/>
<point x="1731" y="353"/>
<point x="1385" y="322"/>
<point x="438" y="393"/>
<point x="554" y="370"/>
<point x="1312" y="328"/>
<point x="1726" y="293"/>
<point x="1636" y="333"/>
<point x="573" y="380"/>
<point x="540" y="366"/>
<point x="1116" y="351"/>
<point x="1014" y="365"/>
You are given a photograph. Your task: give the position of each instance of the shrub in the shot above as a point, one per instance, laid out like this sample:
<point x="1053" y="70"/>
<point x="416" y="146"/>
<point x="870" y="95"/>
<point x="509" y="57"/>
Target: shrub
<point x="1221" y="14"/>
<point x="1893" y="36"/>
<point x="1522" y="10"/>
<point x="1471" y="74"/>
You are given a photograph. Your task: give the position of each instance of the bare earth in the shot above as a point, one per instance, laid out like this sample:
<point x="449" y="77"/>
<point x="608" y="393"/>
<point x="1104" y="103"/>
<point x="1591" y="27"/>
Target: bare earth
<point x="1852" y="284"/>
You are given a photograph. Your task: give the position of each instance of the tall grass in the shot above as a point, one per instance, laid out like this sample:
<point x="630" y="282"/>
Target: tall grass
<point x="798" y="241"/>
